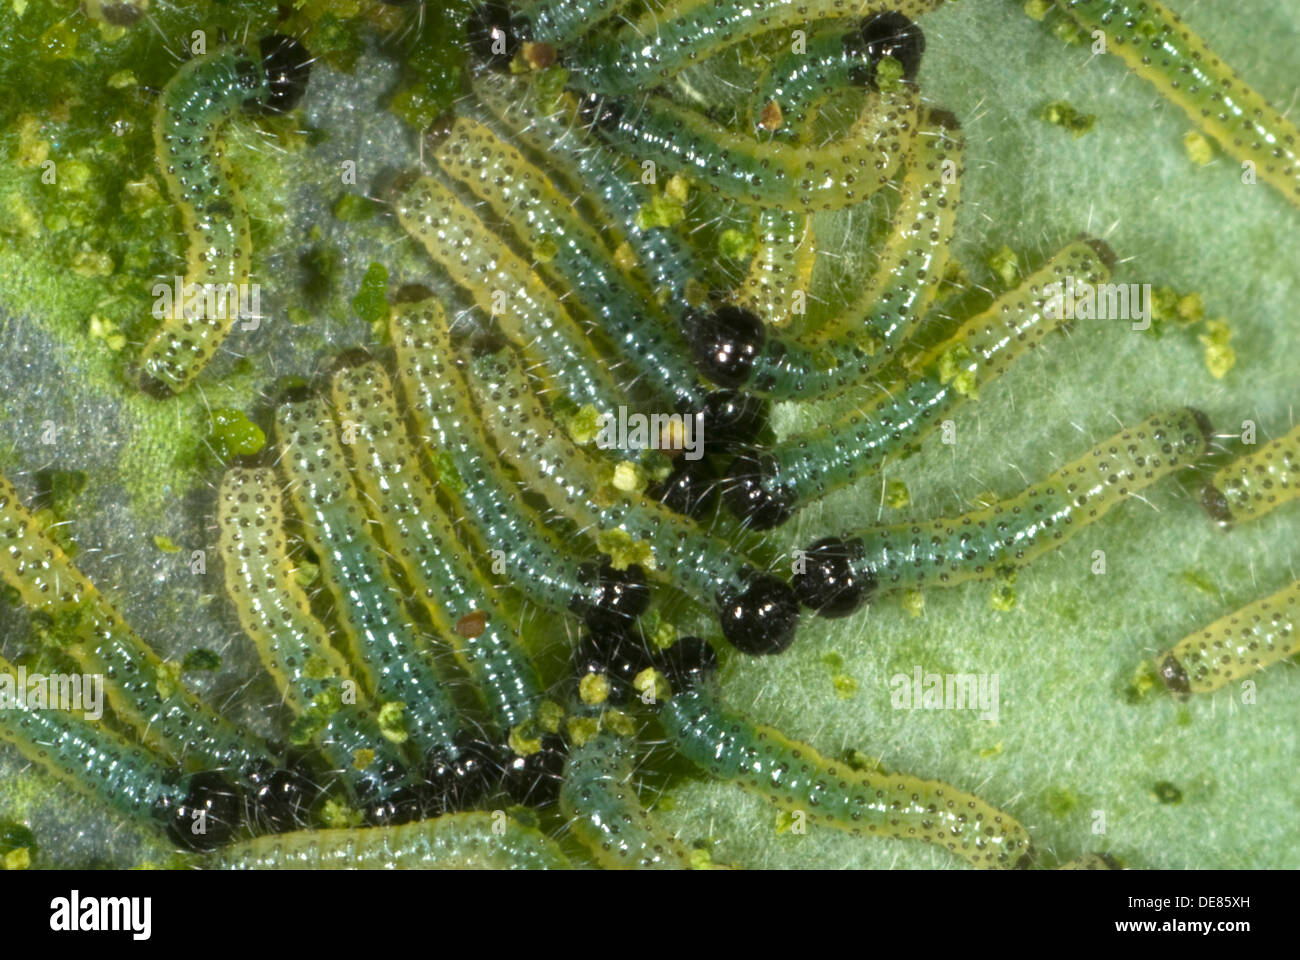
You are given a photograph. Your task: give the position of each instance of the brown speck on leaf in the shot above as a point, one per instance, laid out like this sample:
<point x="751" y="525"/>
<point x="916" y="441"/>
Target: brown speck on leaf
<point x="771" y="118"/>
<point x="472" y="624"/>
<point x="539" y="56"/>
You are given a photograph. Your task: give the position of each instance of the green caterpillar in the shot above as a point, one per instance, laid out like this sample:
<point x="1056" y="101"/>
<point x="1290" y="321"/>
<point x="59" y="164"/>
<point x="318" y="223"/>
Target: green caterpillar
<point x="840" y="573"/>
<point x="786" y="252"/>
<point x="503" y="286"/>
<point x="798" y="780"/>
<point x="733" y="348"/>
<point x="561" y="22"/>
<point x="142" y="690"/>
<point x="200" y="810"/>
<point x="756" y="608"/>
<point x="766" y="489"/>
<point x="195" y="105"/>
<point x="585" y="488"/>
<point x="294" y="647"/>
<point x="889" y="308"/>
<point x="90" y="758"/>
<point x="603" y="178"/>
<point x="574" y="482"/>
<point x="664" y="41"/>
<point x="1157" y="45"/>
<point x="1238" y="644"/>
<point x="535" y="560"/>
<point x="571" y="254"/>
<point x="454" y="841"/>
<point x="785" y="104"/>
<point x="1256" y="483"/>
<point x="605" y="814"/>
<point x="808" y="178"/>
<point x="792" y="91"/>
<point x="423" y="539"/>
<point x="397" y="665"/>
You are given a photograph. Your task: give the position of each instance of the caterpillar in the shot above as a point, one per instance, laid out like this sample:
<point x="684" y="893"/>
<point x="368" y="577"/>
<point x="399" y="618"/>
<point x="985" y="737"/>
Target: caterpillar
<point x="142" y="690"/>
<point x="1238" y="644"/>
<point x="424" y="540"/>
<point x="785" y="103"/>
<point x="913" y="258"/>
<point x="840" y="573"/>
<point x="1155" y="44"/>
<point x="787" y="97"/>
<point x="649" y="51"/>
<point x="605" y="814"/>
<point x="536" y="562"/>
<point x="603" y="177"/>
<point x="312" y="676"/>
<point x="757" y="614"/>
<point x="781" y="266"/>
<point x="736" y="167"/>
<point x="561" y="22"/>
<point x="730" y="417"/>
<point x="764" y="489"/>
<point x="519" y="193"/>
<point x="400" y="519"/>
<point x="195" y="105"/>
<point x="502" y="286"/>
<point x="796" y="778"/>
<point x="453" y="841"/>
<point x="1257" y="483"/>
<point x="199" y="810"/>
<point x="397" y="666"/>
<point x="733" y="348"/>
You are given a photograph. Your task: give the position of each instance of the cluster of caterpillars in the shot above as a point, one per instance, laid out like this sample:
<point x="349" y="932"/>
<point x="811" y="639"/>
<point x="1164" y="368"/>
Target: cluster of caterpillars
<point x="404" y="476"/>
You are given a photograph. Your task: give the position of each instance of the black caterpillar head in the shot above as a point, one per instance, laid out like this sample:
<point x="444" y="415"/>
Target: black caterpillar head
<point x="494" y="36"/>
<point x="732" y="418"/>
<point x="618" y="597"/>
<point x="287" y="66"/>
<point x="751" y="491"/>
<point x="828" y="583"/>
<point x="690" y="488"/>
<point x="619" y="655"/>
<point x="1216" y="505"/>
<point x="1203" y="424"/>
<point x="280" y="797"/>
<point x="1175" y="676"/>
<point x="888" y="34"/>
<point x="762" y="619"/>
<point x="404" y="805"/>
<point x="687" y="663"/>
<point x="535" y="779"/>
<point x="456" y="783"/>
<point x="384" y="805"/>
<point x="725" y="343"/>
<point x="209" y="815"/>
